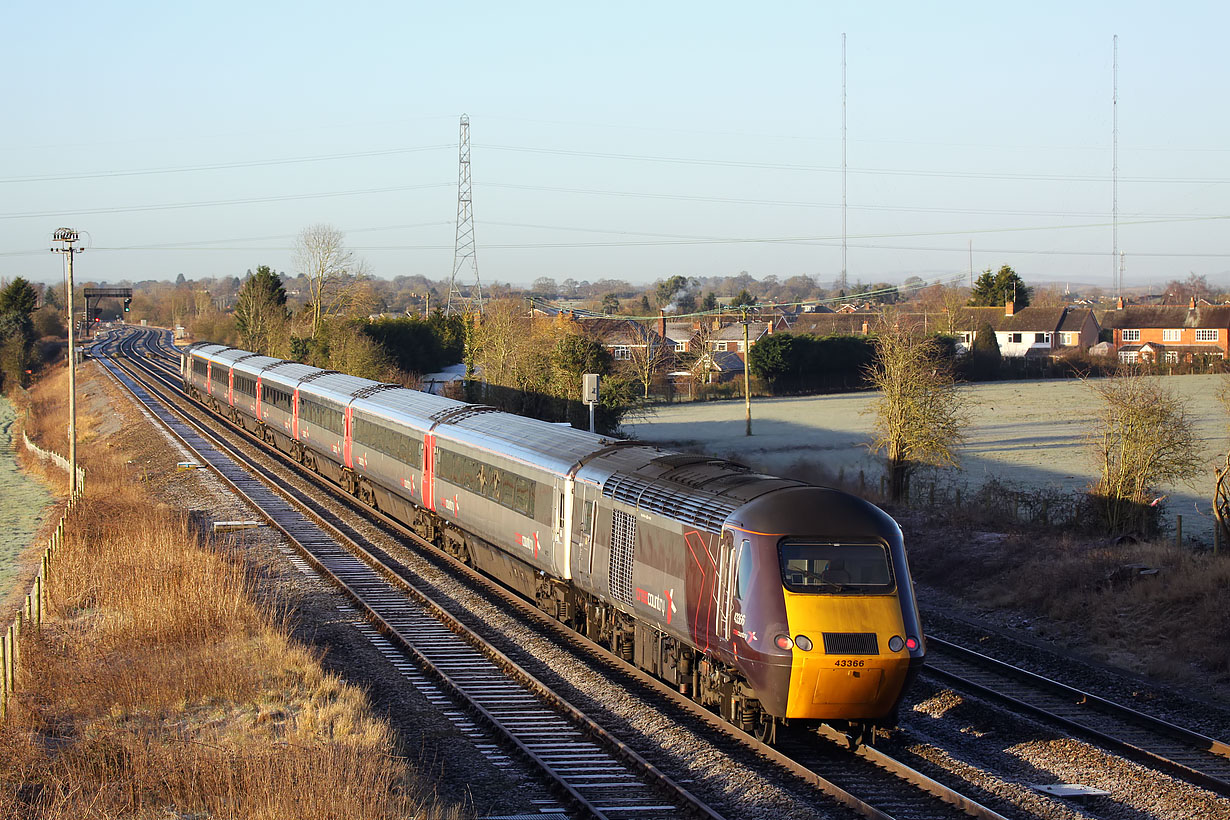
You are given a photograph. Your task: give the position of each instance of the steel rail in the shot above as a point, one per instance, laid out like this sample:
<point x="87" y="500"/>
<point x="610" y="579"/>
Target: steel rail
<point x="1186" y="754"/>
<point x="355" y="571"/>
<point x="877" y="760"/>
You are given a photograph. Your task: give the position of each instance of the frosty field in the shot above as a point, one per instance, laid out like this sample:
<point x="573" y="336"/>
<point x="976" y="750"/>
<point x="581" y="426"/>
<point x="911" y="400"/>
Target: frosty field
<point x="1028" y="433"/>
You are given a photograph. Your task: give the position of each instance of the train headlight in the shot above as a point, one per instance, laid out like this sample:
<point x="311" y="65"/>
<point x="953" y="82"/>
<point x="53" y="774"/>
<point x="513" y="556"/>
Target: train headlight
<point x="895" y="643"/>
<point x="803" y="642"/>
<point x="783" y="643"/>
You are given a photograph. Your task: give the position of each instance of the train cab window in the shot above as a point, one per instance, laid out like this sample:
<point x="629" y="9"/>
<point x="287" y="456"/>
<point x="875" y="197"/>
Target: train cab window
<point x="827" y="567"/>
<point x="747" y="566"/>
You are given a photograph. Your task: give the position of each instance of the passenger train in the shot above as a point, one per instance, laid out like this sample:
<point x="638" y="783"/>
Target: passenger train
<point x="766" y="599"/>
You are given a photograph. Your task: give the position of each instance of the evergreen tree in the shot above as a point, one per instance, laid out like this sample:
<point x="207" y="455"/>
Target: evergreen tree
<point x="260" y="311"/>
<point x="984" y="357"/>
<point x="19" y="297"/>
<point x="996" y="289"/>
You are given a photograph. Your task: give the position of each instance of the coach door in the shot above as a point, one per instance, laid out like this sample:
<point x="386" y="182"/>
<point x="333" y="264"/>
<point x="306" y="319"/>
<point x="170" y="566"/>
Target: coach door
<point x="294" y="415"/>
<point x="562" y="530"/>
<point x="584" y="547"/>
<point x="727" y="566"/>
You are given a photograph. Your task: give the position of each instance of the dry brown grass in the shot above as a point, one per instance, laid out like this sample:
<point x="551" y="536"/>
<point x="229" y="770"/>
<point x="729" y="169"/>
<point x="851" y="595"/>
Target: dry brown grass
<point x="159" y="687"/>
<point x="1170" y="625"/>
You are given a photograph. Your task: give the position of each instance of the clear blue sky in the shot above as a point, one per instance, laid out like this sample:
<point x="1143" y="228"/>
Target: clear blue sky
<point x="631" y="141"/>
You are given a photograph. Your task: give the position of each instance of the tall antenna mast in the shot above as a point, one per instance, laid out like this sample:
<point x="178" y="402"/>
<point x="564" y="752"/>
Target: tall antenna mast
<point x="1114" y="184"/>
<point x="464" y="251"/>
<point x="843" y="156"/>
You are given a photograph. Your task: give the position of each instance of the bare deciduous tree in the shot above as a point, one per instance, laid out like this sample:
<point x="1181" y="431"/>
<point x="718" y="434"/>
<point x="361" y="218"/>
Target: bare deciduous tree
<point x="1221" y="486"/>
<point x="920" y="414"/>
<point x="1143" y="438"/>
<point x="645" y="361"/>
<point x="332" y="271"/>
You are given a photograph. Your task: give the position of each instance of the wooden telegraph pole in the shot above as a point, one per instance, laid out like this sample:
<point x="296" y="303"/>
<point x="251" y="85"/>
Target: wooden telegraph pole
<point x="66" y="237"/>
<point x="747" y="386"/>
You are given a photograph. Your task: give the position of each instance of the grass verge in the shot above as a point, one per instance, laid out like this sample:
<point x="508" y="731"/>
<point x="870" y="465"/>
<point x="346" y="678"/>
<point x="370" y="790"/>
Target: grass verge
<point x="162" y="686"/>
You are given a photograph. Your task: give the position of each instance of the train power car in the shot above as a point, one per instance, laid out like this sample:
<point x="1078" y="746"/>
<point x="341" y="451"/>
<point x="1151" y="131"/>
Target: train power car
<point x="767" y="599"/>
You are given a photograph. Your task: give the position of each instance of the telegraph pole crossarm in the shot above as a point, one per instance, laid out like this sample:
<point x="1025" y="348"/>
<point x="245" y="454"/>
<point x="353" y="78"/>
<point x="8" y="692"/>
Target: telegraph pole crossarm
<point x="66" y="237"/>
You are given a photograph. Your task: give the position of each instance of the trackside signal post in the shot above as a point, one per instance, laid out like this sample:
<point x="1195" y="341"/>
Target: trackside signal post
<point x="589" y="395"/>
<point x="66" y="237"/>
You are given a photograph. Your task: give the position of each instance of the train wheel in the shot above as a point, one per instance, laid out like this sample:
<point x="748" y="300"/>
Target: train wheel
<point x="766" y="729"/>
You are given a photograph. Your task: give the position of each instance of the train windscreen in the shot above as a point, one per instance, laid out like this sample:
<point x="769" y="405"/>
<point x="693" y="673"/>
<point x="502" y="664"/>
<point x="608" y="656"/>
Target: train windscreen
<point x="836" y="568"/>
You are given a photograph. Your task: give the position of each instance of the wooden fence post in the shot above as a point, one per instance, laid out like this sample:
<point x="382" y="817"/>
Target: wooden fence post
<point x="1178" y="531"/>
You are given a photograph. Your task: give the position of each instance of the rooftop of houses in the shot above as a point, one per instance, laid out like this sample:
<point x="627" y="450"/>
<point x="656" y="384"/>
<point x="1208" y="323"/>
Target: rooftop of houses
<point x="1168" y="316"/>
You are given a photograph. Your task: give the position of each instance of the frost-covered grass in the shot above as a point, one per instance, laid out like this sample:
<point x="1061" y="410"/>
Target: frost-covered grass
<point x="23" y="501"/>
<point x="1029" y="433"/>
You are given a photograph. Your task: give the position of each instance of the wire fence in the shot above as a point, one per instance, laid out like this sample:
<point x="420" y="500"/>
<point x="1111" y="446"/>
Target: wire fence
<point x="30" y="613"/>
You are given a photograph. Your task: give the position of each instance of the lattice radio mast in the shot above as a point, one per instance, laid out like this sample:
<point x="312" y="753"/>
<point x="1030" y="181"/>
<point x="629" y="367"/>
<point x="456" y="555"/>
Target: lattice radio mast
<point x="843" y="157"/>
<point x="464" y="251"/>
<point x="1116" y="277"/>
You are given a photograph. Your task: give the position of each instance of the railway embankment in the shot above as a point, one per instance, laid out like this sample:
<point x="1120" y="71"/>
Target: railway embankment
<point x="164" y="678"/>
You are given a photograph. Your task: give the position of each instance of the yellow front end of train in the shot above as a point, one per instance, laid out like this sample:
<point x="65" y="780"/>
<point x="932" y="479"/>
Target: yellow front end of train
<point x="842" y="667"/>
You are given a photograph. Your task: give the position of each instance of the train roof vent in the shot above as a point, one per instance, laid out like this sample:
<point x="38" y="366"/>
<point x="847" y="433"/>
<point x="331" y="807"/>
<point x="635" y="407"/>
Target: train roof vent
<point x="373" y="389"/>
<point x="701" y="510"/>
<point x="314" y="376"/>
<point x="276" y="365"/>
<point x="451" y="415"/>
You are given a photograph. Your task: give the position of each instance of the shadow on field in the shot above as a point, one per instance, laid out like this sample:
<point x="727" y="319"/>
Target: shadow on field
<point x="1030" y="456"/>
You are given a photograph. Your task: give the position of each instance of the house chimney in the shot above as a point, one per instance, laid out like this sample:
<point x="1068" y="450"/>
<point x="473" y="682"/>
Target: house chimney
<point x="1119" y="304"/>
<point x="1009" y="307"/>
<point x="662" y="323"/>
<point x="866" y="327"/>
<point x="1192" y="306"/>
<point x="770" y="326"/>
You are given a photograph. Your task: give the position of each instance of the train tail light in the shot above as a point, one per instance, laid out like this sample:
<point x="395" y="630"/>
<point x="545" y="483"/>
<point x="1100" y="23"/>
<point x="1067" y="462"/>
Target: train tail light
<point x="783" y="643"/>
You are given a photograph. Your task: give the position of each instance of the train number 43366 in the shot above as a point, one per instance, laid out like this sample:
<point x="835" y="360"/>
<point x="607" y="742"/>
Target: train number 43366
<point x="850" y="663"/>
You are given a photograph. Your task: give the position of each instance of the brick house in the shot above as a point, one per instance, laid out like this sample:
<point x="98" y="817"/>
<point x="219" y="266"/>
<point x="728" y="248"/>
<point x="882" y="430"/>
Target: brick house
<point x="1171" y="334"/>
<point x="624" y="338"/>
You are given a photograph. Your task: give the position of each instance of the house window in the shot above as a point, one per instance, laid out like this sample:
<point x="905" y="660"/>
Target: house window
<point x="1042" y="338"/>
<point x="1014" y="338"/>
<point x="1206" y="335"/>
<point x="1172" y="357"/>
<point x="681" y="347"/>
<point x="741" y="347"/>
<point x="967" y="338"/>
<point x="1067" y="339"/>
<point x="1131" y="335"/>
<point x="1128" y="356"/>
<point x="1172" y="335"/>
<point x="721" y="346"/>
<point x="621" y="352"/>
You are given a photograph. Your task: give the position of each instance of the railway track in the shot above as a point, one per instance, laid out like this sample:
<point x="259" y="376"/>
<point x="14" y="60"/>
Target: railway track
<point x="1123" y="731"/>
<point x="588" y="769"/>
<point x="1185" y="754"/>
<point x="871" y="784"/>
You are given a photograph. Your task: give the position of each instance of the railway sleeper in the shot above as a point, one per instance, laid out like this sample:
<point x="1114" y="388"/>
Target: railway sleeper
<point x="704" y="679"/>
